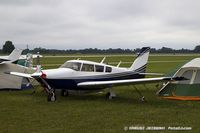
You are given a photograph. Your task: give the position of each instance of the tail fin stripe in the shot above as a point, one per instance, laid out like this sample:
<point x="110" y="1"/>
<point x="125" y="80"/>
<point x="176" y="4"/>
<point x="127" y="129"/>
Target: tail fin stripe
<point x="141" y="61"/>
<point x="141" y="68"/>
<point x="143" y="51"/>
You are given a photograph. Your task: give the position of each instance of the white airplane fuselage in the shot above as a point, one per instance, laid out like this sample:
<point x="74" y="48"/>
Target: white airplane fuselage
<point x="66" y="77"/>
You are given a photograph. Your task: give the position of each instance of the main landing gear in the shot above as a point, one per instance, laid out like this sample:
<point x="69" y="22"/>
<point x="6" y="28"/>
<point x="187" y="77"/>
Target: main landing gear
<point x="111" y="94"/>
<point x="142" y="98"/>
<point x="64" y="93"/>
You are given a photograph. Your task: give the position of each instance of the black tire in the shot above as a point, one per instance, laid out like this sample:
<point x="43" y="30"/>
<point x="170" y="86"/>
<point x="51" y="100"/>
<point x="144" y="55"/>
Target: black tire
<point x="108" y="95"/>
<point x="64" y="93"/>
<point x="49" y="97"/>
<point x="143" y="99"/>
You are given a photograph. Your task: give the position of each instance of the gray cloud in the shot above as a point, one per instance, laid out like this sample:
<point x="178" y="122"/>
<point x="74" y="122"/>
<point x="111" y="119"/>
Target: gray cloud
<point x="102" y="24"/>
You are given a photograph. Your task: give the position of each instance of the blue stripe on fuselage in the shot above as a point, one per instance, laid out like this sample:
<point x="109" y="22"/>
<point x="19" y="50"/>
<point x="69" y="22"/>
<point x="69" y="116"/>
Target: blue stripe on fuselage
<point x="71" y="84"/>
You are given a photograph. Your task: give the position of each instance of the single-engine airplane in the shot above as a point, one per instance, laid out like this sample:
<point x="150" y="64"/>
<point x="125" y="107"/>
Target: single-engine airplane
<point x="88" y="76"/>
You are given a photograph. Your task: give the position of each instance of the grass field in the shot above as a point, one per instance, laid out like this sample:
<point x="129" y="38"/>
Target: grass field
<point x="24" y="112"/>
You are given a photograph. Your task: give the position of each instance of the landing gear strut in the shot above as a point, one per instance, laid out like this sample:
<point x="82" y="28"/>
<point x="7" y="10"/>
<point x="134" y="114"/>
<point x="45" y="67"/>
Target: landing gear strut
<point x="142" y="98"/>
<point x="111" y="94"/>
<point x="50" y="91"/>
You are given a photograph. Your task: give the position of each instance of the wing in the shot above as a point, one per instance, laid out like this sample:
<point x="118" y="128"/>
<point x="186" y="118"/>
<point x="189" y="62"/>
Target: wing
<point x="20" y="74"/>
<point x="25" y="75"/>
<point x="2" y="60"/>
<point x="104" y="84"/>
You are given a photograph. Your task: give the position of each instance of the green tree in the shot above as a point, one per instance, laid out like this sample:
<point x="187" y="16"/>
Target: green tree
<point x="197" y="49"/>
<point x="8" y="47"/>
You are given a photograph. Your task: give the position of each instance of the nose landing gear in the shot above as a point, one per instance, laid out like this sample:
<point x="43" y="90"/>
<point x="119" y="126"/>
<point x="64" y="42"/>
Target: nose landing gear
<point x="51" y="97"/>
<point x="51" y="92"/>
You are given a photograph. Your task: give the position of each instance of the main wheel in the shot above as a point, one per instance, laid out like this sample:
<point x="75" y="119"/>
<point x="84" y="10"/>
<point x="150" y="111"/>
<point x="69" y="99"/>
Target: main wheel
<point x="64" y="93"/>
<point x="109" y="96"/>
<point x="142" y="99"/>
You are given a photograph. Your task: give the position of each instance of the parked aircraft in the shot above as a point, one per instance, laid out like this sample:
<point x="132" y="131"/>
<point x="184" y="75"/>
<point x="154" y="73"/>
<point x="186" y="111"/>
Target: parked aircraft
<point x="88" y="76"/>
<point x="9" y="63"/>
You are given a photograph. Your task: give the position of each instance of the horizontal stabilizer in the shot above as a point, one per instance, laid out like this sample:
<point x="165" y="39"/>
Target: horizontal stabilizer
<point x="152" y="74"/>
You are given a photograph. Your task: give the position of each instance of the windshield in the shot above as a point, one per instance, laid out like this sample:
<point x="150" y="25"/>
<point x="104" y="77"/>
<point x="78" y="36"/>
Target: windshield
<point x="72" y="65"/>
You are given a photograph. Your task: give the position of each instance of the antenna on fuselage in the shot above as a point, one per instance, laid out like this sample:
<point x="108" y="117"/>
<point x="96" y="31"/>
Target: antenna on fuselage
<point x="119" y="64"/>
<point x="103" y="60"/>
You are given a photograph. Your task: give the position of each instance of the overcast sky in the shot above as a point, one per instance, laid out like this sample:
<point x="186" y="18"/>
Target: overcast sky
<point x="77" y="24"/>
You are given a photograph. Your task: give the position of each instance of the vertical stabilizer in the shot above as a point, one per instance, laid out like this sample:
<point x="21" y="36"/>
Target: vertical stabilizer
<point x="139" y="65"/>
<point x="14" y="56"/>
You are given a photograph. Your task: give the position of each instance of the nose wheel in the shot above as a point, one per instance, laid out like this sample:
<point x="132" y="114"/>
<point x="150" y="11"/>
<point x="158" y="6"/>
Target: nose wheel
<point x="51" y="97"/>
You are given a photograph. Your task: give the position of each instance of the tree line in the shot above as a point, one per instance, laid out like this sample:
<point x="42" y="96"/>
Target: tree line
<point x="9" y="46"/>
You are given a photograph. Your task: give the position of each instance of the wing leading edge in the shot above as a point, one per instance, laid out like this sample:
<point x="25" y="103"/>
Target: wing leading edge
<point x="25" y="75"/>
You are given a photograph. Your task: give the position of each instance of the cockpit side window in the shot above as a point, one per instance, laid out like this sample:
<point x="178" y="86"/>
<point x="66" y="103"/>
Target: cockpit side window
<point x="187" y="74"/>
<point x="87" y="68"/>
<point x="99" y="68"/>
<point x="72" y="65"/>
<point x="108" y="69"/>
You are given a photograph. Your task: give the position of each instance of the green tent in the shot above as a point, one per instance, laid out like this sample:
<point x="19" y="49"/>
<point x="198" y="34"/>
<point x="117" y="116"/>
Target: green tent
<point x="187" y="89"/>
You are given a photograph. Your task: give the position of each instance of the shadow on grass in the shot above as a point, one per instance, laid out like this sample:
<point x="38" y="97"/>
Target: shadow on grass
<point x="122" y="98"/>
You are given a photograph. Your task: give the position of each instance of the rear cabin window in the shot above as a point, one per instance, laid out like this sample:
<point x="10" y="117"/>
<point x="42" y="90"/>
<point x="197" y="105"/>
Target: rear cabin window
<point x="88" y="68"/>
<point x="99" y="68"/>
<point x="108" y="69"/>
<point x="72" y="65"/>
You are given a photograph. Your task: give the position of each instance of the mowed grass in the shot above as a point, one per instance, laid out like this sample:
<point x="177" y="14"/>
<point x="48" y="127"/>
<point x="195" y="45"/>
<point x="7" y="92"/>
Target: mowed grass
<point x="22" y="111"/>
